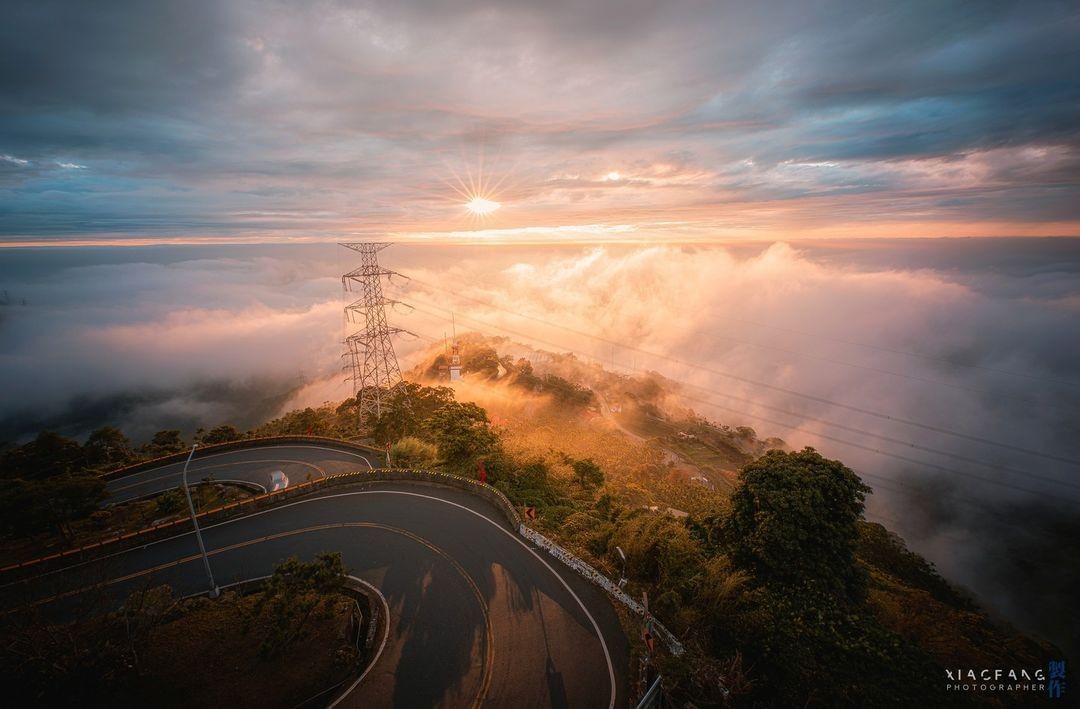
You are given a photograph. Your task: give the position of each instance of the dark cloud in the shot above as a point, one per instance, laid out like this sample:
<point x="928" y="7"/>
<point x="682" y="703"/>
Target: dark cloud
<point x="190" y="117"/>
<point x="116" y="57"/>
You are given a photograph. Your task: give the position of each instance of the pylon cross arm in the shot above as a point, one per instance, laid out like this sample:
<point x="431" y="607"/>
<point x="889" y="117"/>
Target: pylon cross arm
<point x="372" y="362"/>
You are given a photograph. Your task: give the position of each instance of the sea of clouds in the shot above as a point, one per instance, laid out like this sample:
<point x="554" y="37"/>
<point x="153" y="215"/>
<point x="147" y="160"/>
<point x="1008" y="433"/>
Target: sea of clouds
<point x="840" y="345"/>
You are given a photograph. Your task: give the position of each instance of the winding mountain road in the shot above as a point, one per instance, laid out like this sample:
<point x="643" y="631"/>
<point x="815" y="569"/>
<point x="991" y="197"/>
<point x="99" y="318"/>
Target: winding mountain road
<point x="248" y="465"/>
<point x="477" y="616"/>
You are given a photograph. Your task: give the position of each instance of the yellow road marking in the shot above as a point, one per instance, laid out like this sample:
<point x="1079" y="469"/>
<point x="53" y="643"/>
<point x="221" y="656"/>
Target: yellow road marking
<point x="489" y="654"/>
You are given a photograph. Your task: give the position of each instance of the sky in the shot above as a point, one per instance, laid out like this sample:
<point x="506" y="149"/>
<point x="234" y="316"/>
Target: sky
<point x="612" y="120"/>
<point x="769" y="192"/>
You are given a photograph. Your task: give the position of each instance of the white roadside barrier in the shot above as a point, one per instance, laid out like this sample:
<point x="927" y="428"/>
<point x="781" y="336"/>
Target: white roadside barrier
<point x="591" y="574"/>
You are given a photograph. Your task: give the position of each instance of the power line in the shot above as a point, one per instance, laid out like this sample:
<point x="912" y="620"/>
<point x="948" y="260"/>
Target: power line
<point x="913" y="461"/>
<point x="888" y="372"/>
<point x="788" y="426"/>
<point x="881" y="482"/>
<point x="917" y="355"/>
<point x="773" y="387"/>
<point x="1056" y="381"/>
<point x="889" y="439"/>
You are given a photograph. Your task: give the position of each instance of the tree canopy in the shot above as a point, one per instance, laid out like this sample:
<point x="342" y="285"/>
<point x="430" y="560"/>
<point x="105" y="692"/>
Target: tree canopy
<point x="461" y="432"/>
<point x="406" y="409"/>
<point x="296" y="591"/>
<point x="481" y="360"/>
<point x="588" y="473"/>
<point x="164" y="443"/>
<point x="794" y="522"/>
<point x="106" y="446"/>
<point x="47" y="455"/>
<point x="221" y="434"/>
<point x="31" y="506"/>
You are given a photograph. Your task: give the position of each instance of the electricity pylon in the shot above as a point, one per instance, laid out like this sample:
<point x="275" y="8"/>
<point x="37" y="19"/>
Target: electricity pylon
<point x="373" y="366"/>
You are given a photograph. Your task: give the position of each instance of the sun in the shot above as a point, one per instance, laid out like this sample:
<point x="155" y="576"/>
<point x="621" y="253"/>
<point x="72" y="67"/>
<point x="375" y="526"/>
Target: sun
<point x="475" y="188"/>
<point x="481" y="206"/>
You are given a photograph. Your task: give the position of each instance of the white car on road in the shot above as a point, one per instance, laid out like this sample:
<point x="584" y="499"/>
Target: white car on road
<point x="278" y="481"/>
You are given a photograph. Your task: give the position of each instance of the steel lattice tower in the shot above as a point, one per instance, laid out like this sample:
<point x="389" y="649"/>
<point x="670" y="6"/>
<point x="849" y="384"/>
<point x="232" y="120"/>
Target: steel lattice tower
<point x="373" y="366"/>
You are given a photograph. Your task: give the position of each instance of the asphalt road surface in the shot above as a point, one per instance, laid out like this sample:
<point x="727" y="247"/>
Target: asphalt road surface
<point x="478" y="617"/>
<point x="249" y="465"/>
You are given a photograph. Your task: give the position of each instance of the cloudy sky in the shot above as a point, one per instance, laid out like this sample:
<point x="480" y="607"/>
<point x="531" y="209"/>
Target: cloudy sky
<point x="611" y="119"/>
<point x="945" y="370"/>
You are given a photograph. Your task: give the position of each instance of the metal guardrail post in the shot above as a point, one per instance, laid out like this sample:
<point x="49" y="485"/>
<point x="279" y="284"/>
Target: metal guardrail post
<point x="652" y="696"/>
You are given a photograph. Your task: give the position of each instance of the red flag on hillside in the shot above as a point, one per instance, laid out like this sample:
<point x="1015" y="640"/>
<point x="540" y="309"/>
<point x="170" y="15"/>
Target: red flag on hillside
<point x="483" y="472"/>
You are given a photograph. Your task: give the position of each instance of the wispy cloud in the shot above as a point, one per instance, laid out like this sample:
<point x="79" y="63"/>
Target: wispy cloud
<point x="209" y="119"/>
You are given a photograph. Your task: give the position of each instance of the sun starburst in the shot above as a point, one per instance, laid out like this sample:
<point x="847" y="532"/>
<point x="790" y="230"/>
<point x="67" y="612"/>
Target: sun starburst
<point x="482" y="206"/>
<point x="477" y="189"/>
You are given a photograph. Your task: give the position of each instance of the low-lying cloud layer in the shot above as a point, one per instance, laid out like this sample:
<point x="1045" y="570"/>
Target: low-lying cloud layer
<point x="943" y="371"/>
<point x="843" y="346"/>
<point x="160" y="338"/>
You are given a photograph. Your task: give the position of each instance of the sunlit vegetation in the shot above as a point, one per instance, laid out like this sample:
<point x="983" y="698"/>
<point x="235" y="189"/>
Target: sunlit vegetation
<point x="783" y="593"/>
<point x="277" y="646"/>
<point x="411" y="452"/>
<point x="756" y="556"/>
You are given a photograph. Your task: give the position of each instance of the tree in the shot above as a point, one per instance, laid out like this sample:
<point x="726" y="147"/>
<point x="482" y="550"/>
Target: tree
<point x="164" y="443"/>
<point x="47" y="455"/>
<point x="295" y="592"/>
<point x="588" y="473"/>
<point x="438" y="367"/>
<point x="524" y="376"/>
<point x="107" y="445"/>
<point x="86" y="658"/>
<point x="481" y="360"/>
<point x="302" y="422"/>
<point x="793" y="523"/>
<point x="461" y="432"/>
<point x="32" y="506"/>
<point x="406" y="410"/>
<point x="169" y="503"/>
<point x="567" y="392"/>
<point x="221" y="434"/>
<point x="524" y="482"/>
<point x="746" y="433"/>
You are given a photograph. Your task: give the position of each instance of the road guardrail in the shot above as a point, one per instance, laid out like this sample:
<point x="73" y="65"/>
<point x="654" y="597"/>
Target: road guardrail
<point x="498" y="499"/>
<point x="238" y="444"/>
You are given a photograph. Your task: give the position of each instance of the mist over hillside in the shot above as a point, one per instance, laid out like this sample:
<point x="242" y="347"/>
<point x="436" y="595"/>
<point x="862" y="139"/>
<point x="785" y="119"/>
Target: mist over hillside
<point x="835" y="345"/>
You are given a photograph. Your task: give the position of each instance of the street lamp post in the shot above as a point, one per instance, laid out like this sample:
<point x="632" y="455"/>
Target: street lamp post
<point x="622" y="554"/>
<point x="214" y="590"/>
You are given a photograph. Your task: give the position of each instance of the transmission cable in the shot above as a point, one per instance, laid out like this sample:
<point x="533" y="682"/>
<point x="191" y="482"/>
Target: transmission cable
<point x="773" y="387"/>
<point x="793" y="427"/>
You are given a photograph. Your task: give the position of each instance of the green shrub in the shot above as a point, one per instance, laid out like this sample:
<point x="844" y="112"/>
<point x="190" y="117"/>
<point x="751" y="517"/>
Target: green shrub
<point x="169" y="503"/>
<point x="411" y="452"/>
